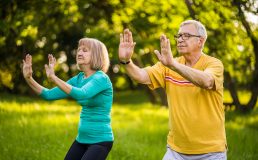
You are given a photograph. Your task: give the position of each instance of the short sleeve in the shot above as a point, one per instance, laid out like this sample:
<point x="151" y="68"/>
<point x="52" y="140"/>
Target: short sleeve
<point x="216" y="69"/>
<point x="156" y="74"/>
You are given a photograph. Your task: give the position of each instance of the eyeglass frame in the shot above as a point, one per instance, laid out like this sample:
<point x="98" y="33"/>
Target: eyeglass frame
<point x="186" y="35"/>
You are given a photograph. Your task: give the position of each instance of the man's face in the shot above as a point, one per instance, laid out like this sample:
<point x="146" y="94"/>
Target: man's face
<point x="188" y="40"/>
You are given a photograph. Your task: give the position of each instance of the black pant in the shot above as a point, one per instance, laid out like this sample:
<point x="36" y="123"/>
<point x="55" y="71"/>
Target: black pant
<point x="96" y="151"/>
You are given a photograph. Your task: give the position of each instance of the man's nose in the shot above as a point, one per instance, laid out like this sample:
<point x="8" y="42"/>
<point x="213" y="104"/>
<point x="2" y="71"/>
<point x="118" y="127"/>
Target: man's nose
<point x="180" y="39"/>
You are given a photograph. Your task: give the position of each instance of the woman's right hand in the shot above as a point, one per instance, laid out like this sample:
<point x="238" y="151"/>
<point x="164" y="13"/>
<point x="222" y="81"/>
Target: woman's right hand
<point x="50" y="72"/>
<point x="126" y="46"/>
<point x="27" y="67"/>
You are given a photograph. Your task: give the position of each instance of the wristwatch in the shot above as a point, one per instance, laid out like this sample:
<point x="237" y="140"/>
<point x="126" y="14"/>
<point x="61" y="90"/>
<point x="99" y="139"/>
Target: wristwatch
<point x="125" y="63"/>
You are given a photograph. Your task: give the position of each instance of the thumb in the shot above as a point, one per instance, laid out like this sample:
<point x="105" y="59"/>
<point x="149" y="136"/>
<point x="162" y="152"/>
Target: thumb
<point x="46" y="66"/>
<point x="134" y="43"/>
<point x="157" y="54"/>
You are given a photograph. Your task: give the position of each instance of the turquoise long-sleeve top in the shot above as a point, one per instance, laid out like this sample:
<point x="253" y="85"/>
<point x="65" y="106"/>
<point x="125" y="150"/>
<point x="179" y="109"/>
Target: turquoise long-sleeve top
<point x="95" y="95"/>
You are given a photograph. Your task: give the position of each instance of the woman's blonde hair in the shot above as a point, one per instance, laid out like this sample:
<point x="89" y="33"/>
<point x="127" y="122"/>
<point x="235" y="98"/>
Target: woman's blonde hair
<point x="99" y="54"/>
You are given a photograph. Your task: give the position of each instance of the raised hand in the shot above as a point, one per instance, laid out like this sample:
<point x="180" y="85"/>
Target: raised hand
<point x="27" y="67"/>
<point x="166" y="56"/>
<point x="50" y="72"/>
<point x="126" y="46"/>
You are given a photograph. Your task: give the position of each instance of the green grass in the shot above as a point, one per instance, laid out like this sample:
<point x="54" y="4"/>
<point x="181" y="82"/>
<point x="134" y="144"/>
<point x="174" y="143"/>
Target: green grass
<point x="33" y="129"/>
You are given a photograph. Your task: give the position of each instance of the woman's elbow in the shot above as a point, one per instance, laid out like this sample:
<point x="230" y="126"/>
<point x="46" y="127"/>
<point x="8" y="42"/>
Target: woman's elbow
<point x="47" y="97"/>
<point x="78" y="97"/>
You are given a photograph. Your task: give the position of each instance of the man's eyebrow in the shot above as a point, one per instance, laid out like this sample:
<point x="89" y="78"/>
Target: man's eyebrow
<point x="183" y="33"/>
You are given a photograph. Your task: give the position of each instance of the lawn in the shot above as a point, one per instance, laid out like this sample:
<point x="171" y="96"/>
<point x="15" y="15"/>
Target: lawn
<point x="34" y="129"/>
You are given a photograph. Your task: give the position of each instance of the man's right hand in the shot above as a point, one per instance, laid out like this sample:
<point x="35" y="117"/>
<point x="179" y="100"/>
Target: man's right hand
<point x="126" y="46"/>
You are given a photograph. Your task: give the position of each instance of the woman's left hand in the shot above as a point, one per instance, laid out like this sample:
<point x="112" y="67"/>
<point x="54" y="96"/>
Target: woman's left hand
<point x="50" y="72"/>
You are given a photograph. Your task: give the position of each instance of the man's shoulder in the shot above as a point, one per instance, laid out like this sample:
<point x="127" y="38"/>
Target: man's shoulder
<point x="211" y="60"/>
<point x="159" y="65"/>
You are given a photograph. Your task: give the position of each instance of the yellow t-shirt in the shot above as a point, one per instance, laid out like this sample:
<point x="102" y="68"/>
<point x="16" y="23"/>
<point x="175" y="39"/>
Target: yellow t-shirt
<point x="196" y="115"/>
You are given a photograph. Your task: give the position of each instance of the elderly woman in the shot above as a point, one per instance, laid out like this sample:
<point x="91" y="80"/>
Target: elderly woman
<point x="92" y="89"/>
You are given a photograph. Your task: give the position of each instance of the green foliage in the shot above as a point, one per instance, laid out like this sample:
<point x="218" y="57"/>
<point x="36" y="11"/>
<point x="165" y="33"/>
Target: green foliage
<point x="34" y="129"/>
<point x="55" y="26"/>
<point x="227" y="39"/>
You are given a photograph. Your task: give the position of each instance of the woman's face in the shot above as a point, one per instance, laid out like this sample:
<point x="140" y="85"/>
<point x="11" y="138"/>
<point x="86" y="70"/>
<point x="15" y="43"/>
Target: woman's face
<point x="83" y="55"/>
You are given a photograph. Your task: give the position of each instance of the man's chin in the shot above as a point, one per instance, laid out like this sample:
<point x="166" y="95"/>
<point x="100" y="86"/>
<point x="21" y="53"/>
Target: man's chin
<point x="181" y="52"/>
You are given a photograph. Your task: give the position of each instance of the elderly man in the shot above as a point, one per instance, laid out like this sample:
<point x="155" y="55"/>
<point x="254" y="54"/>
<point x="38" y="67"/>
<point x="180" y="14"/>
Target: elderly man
<point x="194" y="86"/>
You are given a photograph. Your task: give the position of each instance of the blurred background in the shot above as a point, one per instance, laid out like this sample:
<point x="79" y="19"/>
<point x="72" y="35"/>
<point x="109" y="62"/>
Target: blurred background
<point x="40" y="27"/>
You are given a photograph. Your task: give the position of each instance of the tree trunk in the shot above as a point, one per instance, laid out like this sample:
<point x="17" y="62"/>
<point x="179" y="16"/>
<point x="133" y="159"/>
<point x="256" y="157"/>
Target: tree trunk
<point x="254" y="84"/>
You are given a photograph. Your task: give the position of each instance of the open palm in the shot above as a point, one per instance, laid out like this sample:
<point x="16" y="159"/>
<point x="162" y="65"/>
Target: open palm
<point x="50" y="67"/>
<point x="27" y="66"/>
<point x="126" y="46"/>
<point x="166" y="56"/>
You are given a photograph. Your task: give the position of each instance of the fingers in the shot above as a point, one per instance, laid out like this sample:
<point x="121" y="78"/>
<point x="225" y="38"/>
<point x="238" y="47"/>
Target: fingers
<point x="158" y="54"/>
<point x="28" y="59"/>
<point x="126" y="35"/>
<point x="168" y="44"/>
<point x="46" y="66"/>
<point x="130" y="37"/>
<point x="134" y="43"/>
<point x="163" y="39"/>
<point x="121" y="38"/>
<point x="51" y="59"/>
<point x="164" y="42"/>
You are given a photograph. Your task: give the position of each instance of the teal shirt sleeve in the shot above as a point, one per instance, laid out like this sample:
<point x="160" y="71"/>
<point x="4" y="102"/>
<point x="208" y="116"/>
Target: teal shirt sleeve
<point x="96" y="85"/>
<point x="56" y="93"/>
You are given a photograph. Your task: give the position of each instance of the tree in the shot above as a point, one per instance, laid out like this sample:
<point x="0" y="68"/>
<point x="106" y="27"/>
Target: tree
<point x="241" y="69"/>
<point x="55" y="26"/>
<point x="42" y="27"/>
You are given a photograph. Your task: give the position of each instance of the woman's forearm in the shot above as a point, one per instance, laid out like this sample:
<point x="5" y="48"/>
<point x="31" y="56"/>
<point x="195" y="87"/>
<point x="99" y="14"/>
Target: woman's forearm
<point x="35" y="86"/>
<point x="62" y="84"/>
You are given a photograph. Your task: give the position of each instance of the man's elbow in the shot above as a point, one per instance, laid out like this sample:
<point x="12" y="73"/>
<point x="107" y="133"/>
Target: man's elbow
<point x="209" y="83"/>
<point x="137" y="79"/>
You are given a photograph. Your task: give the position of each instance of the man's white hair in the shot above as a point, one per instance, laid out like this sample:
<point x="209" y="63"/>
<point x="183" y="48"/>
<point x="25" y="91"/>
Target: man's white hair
<point x="201" y="30"/>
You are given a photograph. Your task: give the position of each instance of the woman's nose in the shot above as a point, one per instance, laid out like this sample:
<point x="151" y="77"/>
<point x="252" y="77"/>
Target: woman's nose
<point x="79" y="52"/>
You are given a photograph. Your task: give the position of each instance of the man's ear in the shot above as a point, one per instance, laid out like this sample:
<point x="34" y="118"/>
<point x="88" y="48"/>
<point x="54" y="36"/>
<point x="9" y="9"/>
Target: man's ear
<point x="201" y="41"/>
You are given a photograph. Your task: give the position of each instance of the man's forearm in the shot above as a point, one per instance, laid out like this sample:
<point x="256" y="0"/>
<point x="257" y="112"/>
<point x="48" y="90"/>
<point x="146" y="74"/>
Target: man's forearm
<point x="137" y="74"/>
<point x="197" y="77"/>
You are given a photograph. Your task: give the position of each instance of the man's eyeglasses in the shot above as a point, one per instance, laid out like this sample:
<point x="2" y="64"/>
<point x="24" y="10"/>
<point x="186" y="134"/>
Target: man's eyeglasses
<point x="185" y="36"/>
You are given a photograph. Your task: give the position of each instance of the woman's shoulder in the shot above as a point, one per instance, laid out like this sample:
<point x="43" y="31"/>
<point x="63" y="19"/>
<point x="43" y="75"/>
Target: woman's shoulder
<point x="100" y="76"/>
